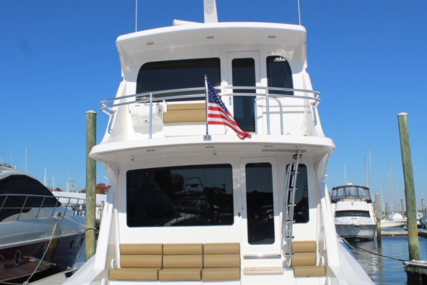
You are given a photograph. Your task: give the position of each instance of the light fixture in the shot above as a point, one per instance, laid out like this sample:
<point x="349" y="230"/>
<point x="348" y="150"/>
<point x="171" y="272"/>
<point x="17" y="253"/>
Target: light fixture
<point x="268" y="145"/>
<point x="271" y="36"/>
<point x="210" y="37"/>
<point x="150" y="150"/>
<point x="209" y="146"/>
<point x="150" y="43"/>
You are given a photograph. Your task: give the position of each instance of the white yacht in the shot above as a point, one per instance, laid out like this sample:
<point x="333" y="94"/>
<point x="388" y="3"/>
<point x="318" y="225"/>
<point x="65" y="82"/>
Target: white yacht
<point x="38" y="234"/>
<point x="193" y="203"/>
<point x="354" y="212"/>
<point x="393" y="220"/>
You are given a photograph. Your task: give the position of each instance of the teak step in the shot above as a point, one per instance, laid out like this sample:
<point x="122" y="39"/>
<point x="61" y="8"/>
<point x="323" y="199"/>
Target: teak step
<point x="263" y="270"/>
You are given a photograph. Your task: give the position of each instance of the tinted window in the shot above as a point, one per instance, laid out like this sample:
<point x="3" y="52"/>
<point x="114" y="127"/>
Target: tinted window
<point x="341" y="214"/>
<point x="279" y="74"/>
<point x="200" y="195"/>
<point x="301" y="208"/>
<point x="244" y="75"/>
<point x="259" y="203"/>
<point x="177" y="74"/>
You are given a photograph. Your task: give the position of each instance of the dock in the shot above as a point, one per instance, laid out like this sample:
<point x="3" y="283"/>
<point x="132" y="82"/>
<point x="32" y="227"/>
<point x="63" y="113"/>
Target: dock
<point x="421" y="233"/>
<point x="416" y="270"/>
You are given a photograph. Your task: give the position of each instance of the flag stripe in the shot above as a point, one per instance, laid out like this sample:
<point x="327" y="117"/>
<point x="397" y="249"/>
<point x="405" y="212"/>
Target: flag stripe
<point x="218" y="113"/>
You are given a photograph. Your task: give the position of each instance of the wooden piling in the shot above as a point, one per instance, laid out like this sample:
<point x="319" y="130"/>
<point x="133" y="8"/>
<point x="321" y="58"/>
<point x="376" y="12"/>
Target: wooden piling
<point x="90" y="185"/>
<point x="378" y="216"/>
<point x="411" y="206"/>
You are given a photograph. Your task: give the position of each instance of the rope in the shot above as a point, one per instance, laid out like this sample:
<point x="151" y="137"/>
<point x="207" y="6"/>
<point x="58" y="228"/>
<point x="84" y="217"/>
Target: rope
<point x="375" y="254"/>
<point x="87" y="227"/>
<point x="44" y="254"/>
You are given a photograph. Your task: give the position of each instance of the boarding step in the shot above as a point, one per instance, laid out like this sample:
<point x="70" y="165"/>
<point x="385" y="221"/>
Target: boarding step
<point x="263" y="270"/>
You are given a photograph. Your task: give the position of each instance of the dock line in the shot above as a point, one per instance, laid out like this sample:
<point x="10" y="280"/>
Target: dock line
<point x="376" y="254"/>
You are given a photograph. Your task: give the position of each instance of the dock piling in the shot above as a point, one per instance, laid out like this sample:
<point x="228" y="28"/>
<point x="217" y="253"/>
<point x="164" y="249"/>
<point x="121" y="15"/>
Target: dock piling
<point x="90" y="185"/>
<point x="378" y="216"/>
<point x="411" y="206"/>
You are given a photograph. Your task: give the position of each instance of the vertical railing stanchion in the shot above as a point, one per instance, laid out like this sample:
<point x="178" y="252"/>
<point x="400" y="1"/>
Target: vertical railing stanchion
<point x="56" y="204"/>
<point x="4" y="202"/>
<point x="256" y="117"/>
<point x="150" y="135"/>
<point x="268" y="110"/>
<point x="22" y="209"/>
<point x="41" y="206"/>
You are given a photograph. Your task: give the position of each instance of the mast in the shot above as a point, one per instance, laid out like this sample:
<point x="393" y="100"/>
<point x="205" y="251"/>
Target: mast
<point x="26" y="159"/>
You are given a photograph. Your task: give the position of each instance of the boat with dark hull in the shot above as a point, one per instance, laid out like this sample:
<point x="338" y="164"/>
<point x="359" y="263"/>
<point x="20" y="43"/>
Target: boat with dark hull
<point x="38" y="233"/>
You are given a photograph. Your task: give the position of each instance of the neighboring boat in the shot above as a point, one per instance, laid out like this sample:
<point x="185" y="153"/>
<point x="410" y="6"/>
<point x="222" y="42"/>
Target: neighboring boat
<point x="354" y="212"/>
<point x="394" y="220"/>
<point x="37" y="233"/>
<point x="192" y="203"/>
<point x="77" y="202"/>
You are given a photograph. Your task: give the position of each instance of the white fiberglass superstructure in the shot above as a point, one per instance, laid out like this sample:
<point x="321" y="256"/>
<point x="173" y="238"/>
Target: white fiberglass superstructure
<point x="186" y="208"/>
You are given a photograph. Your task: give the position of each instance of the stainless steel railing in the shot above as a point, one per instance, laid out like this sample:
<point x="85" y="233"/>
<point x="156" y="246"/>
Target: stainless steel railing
<point x="261" y="93"/>
<point x="73" y="206"/>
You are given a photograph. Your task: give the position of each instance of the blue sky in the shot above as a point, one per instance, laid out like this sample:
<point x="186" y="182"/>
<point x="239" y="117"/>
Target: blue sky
<point x="58" y="59"/>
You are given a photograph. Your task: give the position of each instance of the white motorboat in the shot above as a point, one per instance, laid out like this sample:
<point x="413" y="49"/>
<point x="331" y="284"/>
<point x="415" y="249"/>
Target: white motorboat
<point x="354" y="212"/>
<point x="38" y="234"/>
<point x="394" y="220"/>
<point x="193" y="203"/>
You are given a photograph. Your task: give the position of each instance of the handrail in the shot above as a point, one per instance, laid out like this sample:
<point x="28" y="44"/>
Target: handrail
<point x="70" y="203"/>
<point x="157" y="95"/>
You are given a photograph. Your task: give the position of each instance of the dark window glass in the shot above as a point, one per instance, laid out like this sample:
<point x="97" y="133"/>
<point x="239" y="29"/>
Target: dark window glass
<point x="301" y="196"/>
<point x="200" y="195"/>
<point x="243" y="72"/>
<point x="177" y="74"/>
<point x="25" y="191"/>
<point x="259" y="203"/>
<point x="279" y="74"/>
<point x="341" y="214"/>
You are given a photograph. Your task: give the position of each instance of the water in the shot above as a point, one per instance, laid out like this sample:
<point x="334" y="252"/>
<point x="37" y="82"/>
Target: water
<point x="382" y="270"/>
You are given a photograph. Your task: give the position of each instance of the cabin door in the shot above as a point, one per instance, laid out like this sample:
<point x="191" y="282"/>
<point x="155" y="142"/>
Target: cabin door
<point x="260" y="207"/>
<point x="243" y="70"/>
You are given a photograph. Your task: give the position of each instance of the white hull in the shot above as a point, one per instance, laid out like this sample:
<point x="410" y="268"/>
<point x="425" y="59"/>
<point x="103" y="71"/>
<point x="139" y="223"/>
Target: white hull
<point x="385" y="224"/>
<point x="356" y="231"/>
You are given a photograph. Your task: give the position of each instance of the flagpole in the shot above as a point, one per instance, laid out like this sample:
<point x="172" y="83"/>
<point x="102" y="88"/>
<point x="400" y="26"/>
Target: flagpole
<point x="207" y="101"/>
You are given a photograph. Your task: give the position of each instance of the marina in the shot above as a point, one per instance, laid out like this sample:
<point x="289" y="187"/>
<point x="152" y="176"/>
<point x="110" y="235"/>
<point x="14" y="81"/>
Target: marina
<point x="215" y="149"/>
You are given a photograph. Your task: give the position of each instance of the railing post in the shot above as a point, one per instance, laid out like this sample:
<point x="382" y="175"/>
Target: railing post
<point x="150" y="123"/>
<point x="256" y="116"/>
<point x="23" y="206"/>
<point x="268" y="110"/>
<point x="41" y="206"/>
<point x="4" y="202"/>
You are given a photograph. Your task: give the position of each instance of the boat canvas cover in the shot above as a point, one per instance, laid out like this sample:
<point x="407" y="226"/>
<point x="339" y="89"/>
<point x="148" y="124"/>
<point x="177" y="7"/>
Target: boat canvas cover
<point x="23" y="186"/>
<point x="352" y="206"/>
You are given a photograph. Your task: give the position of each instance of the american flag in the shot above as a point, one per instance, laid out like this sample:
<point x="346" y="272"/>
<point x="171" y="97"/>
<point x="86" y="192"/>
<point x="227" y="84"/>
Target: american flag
<point x="218" y="113"/>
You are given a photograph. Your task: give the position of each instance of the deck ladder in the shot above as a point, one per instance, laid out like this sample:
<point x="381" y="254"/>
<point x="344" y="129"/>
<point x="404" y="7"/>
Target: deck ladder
<point x="288" y="207"/>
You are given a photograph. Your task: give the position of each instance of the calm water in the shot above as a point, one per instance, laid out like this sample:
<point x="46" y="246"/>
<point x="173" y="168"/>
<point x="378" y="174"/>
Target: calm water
<point x="381" y="270"/>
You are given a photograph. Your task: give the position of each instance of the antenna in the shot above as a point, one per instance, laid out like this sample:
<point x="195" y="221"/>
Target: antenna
<point x="299" y="13"/>
<point x="211" y="14"/>
<point x="26" y="159"/>
<point x="136" y="15"/>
